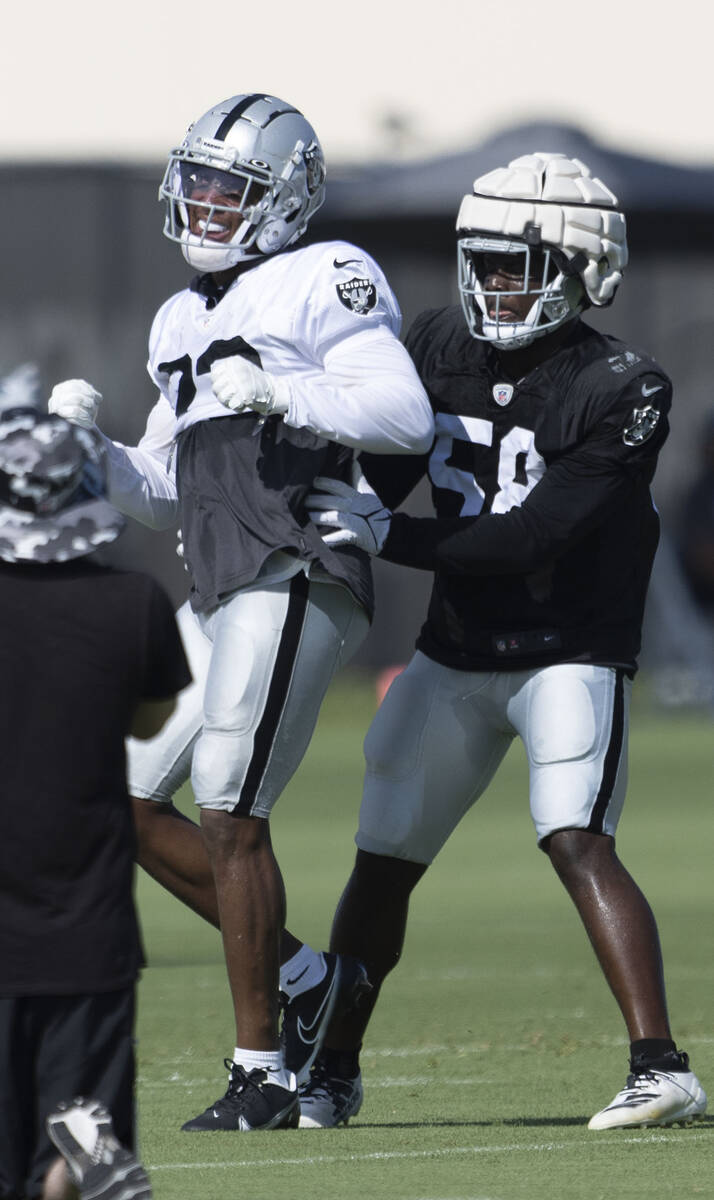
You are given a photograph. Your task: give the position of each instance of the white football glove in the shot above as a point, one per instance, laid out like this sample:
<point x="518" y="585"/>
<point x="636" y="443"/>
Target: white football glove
<point x="240" y="385"/>
<point x="75" y="400"/>
<point x="356" y="518"/>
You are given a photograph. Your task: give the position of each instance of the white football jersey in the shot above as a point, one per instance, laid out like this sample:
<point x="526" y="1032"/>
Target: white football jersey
<point x="322" y="317"/>
<point x="286" y="314"/>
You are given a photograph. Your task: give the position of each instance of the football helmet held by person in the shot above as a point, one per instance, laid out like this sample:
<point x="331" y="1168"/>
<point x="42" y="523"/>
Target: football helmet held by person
<point x="559" y="229"/>
<point x="244" y="182"/>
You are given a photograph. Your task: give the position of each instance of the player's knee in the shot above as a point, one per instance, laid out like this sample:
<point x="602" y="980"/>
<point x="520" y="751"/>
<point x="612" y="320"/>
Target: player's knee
<point x="381" y="876"/>
<point x="577" y="852"/>
<point x="393" y="826"/>
<point x="218" y="769"/>
<point x="147" y="817"/>
<point x="229" y="834"/>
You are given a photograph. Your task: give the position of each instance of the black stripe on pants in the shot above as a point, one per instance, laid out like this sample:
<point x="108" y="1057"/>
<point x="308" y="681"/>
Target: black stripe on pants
<point x="612" y="756"/>
<point x="277" y="692"/>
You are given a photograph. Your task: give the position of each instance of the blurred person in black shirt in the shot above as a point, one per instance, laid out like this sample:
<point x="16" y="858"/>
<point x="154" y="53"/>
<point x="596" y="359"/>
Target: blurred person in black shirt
<point x="89" y="654"/>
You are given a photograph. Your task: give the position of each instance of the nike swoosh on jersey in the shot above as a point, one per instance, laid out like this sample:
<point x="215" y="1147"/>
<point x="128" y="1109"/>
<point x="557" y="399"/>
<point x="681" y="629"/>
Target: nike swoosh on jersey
<point x="347" y="262"/>
<point x="651" y="391"/>
<point x="309" y="1033"/>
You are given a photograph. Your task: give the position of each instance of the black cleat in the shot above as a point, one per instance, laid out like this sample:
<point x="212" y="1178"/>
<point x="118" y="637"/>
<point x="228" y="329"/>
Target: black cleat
<point x="307" y="1016"/>
<point x="250" y="1103"/>
<point x="100" y="1167"/>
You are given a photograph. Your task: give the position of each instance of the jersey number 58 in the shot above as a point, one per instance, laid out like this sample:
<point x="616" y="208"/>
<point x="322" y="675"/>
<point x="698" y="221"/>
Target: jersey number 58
<point x="511" y="467"/>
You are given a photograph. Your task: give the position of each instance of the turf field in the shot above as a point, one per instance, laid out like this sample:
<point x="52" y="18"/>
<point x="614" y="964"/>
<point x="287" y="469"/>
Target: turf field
<point x="495" y="1040"/>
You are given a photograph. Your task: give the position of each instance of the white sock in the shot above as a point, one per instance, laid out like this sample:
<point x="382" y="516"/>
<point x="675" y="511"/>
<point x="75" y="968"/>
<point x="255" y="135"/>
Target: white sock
<point x="302" y="972"/>
<point x="266" y="1060"/>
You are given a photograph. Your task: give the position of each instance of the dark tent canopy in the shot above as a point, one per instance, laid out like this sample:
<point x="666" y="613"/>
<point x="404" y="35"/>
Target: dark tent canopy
<point x="432" y="187"/>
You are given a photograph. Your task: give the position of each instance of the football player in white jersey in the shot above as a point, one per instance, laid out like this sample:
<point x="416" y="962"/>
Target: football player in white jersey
<point x="272" y="367"/>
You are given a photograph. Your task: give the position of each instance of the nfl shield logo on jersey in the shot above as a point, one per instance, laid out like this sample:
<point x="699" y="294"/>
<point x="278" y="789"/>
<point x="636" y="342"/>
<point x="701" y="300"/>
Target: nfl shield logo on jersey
<point x="503" y="393"/>
<point x="359" y="295"/>
<point x="642" y="425"/>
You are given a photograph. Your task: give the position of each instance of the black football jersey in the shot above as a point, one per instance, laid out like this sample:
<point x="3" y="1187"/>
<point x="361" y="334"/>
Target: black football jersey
<point x="242" y="486"/>
<point x="545" y="529"/>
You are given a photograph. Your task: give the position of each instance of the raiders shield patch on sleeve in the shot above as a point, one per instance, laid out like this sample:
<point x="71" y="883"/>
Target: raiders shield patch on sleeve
<point x="641" y="425"/>
<point x="359" y="295"/>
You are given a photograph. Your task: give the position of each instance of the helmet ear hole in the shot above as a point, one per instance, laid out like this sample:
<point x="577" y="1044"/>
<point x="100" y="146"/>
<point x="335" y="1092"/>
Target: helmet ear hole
<point x="574" y="293"/>
<point x="272" y="236"/>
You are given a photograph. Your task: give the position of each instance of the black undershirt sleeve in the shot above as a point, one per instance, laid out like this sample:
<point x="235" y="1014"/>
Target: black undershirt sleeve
<point x="393" y="476"/>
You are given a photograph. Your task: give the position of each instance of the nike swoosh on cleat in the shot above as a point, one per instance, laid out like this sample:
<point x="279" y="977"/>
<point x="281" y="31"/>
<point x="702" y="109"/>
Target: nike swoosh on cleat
<point x="309" y="1033"/>
<point x="347" y="262"/>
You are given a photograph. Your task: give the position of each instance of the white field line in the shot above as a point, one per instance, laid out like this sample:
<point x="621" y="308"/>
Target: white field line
<point x="647" y="1138"/>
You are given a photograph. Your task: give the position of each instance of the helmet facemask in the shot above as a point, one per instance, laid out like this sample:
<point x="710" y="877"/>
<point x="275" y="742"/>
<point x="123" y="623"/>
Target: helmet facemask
<point x="261" y="200"/>
<point x="537" y="271"/>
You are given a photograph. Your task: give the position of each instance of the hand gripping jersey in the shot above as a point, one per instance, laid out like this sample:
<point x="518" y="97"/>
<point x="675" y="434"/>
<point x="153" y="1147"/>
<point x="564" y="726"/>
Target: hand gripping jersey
<point x="242" y="479"/>
<point x="548" y="529"/>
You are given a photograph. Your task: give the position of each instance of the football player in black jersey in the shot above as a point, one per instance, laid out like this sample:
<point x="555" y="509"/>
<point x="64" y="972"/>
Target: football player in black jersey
<point x="547" y="436"/>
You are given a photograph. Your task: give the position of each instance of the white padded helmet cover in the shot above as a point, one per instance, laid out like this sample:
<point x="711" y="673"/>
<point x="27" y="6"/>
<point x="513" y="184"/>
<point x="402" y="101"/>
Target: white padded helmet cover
<point x="575" y="212"/>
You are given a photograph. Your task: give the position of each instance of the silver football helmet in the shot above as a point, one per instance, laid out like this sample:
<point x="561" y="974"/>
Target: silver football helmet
<point x="244" y="182"/>
<point x="560" y="229"/>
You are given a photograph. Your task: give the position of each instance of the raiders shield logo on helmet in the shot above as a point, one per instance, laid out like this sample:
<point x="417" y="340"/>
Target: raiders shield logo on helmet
<point x="642" y="425"/>
<point x="359" y="295"/>
<point x="314" y="168"/>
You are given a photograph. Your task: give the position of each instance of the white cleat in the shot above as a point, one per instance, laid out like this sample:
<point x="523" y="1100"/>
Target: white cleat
<point x="327" y="1101"/>
<point x="654" y="1098"/>
<point x="99" y="1166"/>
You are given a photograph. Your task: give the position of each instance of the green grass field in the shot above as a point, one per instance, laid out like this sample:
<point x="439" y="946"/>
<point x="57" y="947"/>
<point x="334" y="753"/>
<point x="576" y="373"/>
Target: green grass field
<point x="495" y="1040"/>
